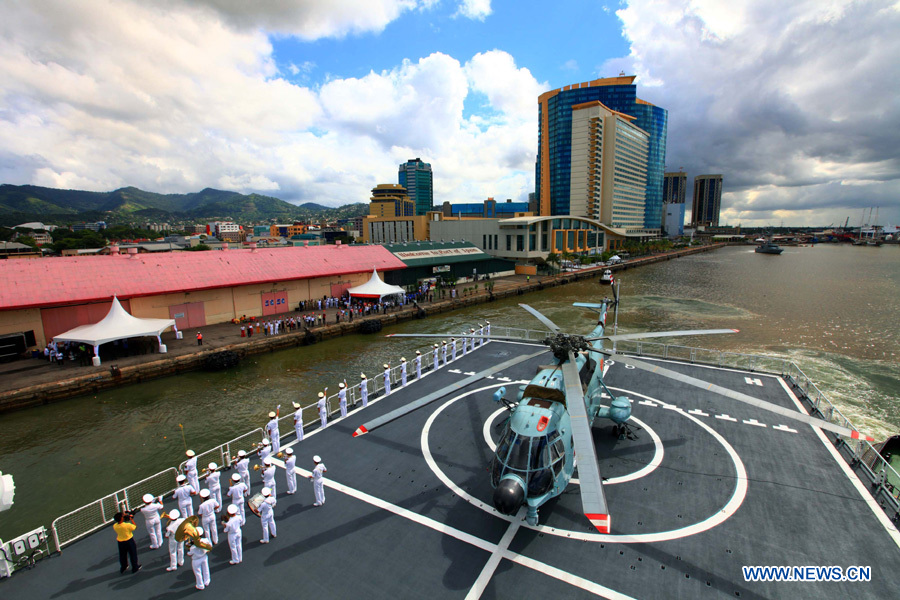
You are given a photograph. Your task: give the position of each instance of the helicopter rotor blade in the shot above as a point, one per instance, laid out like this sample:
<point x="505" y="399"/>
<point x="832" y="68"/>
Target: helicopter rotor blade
<point x="593" y="501"/>
<point x="425" y="400"/>
<point x="537" y="315"/>
<point x="661" y="334"/>
<point x="740" y="397"/>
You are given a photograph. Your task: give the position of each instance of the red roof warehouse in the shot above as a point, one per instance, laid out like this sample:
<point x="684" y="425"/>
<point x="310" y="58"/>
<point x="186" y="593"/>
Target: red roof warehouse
<point x="49" y="296"/>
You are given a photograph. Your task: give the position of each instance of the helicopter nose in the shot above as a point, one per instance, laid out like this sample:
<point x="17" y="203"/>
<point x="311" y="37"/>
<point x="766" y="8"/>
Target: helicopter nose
<point x="509" y="495"/>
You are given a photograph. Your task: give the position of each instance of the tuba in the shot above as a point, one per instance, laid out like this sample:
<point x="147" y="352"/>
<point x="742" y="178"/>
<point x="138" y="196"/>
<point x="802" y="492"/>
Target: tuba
<point x="188" y="531"/>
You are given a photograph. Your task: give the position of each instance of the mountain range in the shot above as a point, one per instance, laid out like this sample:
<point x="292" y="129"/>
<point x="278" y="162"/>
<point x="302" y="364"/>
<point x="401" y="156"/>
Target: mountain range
<point x="22" y="203"/>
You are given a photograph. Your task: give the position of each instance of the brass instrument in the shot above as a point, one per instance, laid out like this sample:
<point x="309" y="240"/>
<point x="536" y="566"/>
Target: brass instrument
<point x="188" y="531"/>
<point x="256" y="467"/>
<point x="279" y="455"/>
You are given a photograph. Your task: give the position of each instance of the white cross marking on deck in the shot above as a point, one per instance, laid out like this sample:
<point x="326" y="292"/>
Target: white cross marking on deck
<point x="784" y="428"/>
<point x="488" y="571"/>
<point x="753" y="381"/>
<point x="754" y="422"/>
<point x="698" y="412"/>
<point x="726" y="418"/>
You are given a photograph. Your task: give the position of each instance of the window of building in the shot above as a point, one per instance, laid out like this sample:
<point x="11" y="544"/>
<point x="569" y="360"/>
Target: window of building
<point x="509" y="242"/>
<point x="484" y="241"/>
<point x="532" y="242"/>
<point x="496" y="245"/>
<point x="520" y="243"/>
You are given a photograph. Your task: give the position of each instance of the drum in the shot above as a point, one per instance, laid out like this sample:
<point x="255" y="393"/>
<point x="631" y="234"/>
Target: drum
<point x="255" y="502"/>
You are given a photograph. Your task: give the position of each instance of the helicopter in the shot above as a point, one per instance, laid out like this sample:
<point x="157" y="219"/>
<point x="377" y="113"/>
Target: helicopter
<point x="550" y="423"/>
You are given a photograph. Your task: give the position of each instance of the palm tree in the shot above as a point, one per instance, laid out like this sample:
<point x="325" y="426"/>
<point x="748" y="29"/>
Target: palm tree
<point x="553" y="259"/>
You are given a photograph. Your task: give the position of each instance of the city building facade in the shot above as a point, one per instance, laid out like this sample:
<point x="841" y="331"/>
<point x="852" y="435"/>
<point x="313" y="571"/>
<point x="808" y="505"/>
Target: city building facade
<point x="674" y="194"/>
<point x="608" y="167"/>
<point x="417" y="178"/>
<point x="391" y="200"/>
<point x="707" y="200"/>
<point x="554" y="159"/>
<point x="490" y="208"/>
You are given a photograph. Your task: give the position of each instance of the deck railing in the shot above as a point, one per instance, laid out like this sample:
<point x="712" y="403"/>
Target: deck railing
<point x="99" y="513"/>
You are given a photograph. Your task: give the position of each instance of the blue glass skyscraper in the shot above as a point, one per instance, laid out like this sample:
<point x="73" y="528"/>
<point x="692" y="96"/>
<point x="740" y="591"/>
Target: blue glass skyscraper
<point x="553" y="166"/>
<point x="417" y="178"/>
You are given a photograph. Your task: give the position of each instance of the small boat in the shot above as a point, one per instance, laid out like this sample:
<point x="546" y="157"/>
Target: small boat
<point x="607" y="278"/>
<point x="769" y="248"/>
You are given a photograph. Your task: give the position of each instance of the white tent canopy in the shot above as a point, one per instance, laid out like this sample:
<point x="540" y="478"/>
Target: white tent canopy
<point x="116" y="325"/>
<point x="375" y="288"/>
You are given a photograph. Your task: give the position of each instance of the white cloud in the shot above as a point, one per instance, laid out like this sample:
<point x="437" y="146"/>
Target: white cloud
<point x="105" y="95"/>
<point x="786" y="100"/>
<point x="478" y="10"/>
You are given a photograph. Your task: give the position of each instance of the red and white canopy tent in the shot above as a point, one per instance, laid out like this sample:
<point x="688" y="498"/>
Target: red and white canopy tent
<point x="375" y="288"/>
<point x="116" y="325"/>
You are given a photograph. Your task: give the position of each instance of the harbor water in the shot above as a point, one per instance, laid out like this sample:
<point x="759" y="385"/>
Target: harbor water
<point x="832" y="309"/>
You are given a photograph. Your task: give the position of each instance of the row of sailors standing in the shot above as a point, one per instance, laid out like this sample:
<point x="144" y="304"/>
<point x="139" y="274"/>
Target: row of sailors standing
<point x="211" y="504"/>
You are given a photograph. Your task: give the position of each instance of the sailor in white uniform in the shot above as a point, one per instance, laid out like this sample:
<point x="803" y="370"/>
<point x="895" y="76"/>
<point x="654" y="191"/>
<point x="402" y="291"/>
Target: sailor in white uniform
<point x="323" y="411"/>
<point x="176" y="548"/>
<point x="317" y="478"/>
<point x="444" y="351"/>
<point x="290" y="461"/>
<point x="465" y="343"/>
<point x="387" y="379"/>
<point x="298" y="421"/>
<point x="265" y="451"/>
<point x="268" y="475"/>
<point x="200" y="562"/>
<point x="267" y="516"/>
<point x="403" y="372"/>
<point x="212" y="482"/>
<point x="183" y="493"/>
<point x="472" y="341"/>
<point x="364" y="389"/>
<point x="481" y="333"/>
<point x="150" y="510"/>
<point x="236" y="492"/>
<point x="190" y="469"/>
<point x="418" y="364"/>
<point x="207" y="511"/>
<point x="243" y="468"/>
<point x="487" y="328"/>
<point x="342" y="398"/>
<point x="452" y="348"/>
<point x="272" y="430"/>
<point x="233" y="529"/>
<point x="434" y="356"/>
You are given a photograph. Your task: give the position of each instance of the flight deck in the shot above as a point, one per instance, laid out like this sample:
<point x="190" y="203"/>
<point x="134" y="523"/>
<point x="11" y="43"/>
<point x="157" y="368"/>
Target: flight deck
<point x="707" y="487"/>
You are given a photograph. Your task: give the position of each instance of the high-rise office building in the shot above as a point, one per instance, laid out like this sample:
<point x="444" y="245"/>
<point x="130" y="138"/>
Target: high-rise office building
<point x="390" y="200"/>
<point x="608" y="167"/>
<point x="675" y="187"/>
<point x="707" y="200"/>
<point x="553" y="166"/>
<point x="416" y="177"/>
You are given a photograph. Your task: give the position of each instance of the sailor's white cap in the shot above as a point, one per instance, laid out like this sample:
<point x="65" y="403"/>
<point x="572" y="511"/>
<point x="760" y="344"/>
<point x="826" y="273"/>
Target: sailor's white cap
<point x="266" y="443"/>
<point x="444" y="342"/>
<point x="242" y="453"/>
<point x="403" y="359"/>
<point x="321" y="394"/>
<point x="266" y="491"/>
<point x="472" y="329"/>
<point x="317" y="459"/>
<point x="362" y="376"/>
<point x="267" y="461"/>
<point x="288" y="451"/>
<point x="452" y="339"/>
<point x="236" y="477"/>
<point x="190" y="453"/>
<point x="213" y="466"/>
<point x="181" y="479"/>
<point x="271" y="414"/>
<point x="386" y="366"/>
<point x="480" y="325"/>
<point x="417" y="352"/>
<point x="341" y="385"/>
<point x="204" y="493"/>
<point x="199" y="531"/>
<point x="148" y="498"/>
<point x="435" y="345"/>
<point x="296" y="404"/>
<point x="174" y="514"/>
<point x="487" y="322"/>
<point x="232" y="509"/>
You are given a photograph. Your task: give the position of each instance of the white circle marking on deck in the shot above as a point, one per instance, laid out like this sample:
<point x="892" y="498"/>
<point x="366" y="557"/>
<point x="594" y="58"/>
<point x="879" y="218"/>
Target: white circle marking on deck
<point x="737" y="498"/>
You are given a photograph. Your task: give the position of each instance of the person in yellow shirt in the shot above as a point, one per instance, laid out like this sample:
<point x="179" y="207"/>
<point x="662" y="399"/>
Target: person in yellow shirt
<point x="124" y="528"/>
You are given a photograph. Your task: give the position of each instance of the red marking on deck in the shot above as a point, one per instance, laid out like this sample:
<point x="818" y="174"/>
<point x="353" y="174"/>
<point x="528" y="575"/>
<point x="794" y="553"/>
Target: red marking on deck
<point x="360" y="431"/>
<point x="601" y="522"/>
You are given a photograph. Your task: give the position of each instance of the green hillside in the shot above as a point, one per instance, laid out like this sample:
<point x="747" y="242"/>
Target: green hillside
<point x="21" y="203"/>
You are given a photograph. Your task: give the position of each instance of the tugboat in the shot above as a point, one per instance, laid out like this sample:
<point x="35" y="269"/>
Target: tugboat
<point x="607" y="278"/>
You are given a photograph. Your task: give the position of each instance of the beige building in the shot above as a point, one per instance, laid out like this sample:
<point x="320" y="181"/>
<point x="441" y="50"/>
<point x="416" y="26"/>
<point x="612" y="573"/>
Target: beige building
<point x="391" y="200"/>
<point x="609" y="167"/>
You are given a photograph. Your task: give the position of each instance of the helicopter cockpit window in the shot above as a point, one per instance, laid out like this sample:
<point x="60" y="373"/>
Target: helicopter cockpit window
<point x="519" y="453"/>
<point x="557" y="453"/>
<point x="540" y="457"/>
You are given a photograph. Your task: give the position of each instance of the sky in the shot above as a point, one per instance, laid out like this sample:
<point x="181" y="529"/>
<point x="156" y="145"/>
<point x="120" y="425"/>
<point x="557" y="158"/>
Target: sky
<point x="796" y="104"/>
